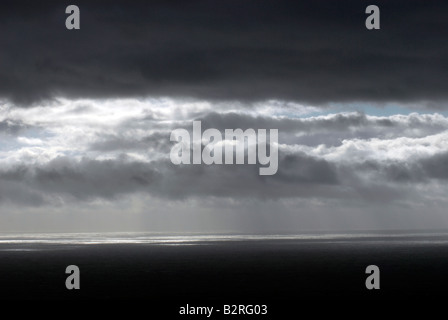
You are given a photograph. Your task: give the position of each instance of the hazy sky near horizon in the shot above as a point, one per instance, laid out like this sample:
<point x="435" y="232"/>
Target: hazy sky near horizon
<point x="86" y="115"/>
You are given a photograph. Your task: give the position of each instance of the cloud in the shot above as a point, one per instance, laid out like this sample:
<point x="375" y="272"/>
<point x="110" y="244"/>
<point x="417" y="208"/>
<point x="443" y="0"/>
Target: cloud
<point x="299" y="176"/>
<point x="314" y="52"/>
<point x="93" y="149"/>
<point x="158" y="141"/>
<point x="11" y="127"/>
<point x="83" y="159"/>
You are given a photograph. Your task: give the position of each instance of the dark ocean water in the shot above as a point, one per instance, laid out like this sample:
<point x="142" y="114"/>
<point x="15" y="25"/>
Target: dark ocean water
<point x="168" y="271"/>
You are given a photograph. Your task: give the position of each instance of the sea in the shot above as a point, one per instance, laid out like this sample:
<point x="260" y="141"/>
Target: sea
<point x="164" y="273"/>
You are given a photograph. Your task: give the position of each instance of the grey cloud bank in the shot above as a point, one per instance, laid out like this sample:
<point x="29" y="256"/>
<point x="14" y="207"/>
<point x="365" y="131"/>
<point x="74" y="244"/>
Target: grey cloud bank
<point x="341" y="156"/>
<point x="299" y="176"/>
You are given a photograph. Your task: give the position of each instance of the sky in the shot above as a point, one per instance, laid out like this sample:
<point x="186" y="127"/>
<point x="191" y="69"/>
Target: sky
<point x="86" y="115"/>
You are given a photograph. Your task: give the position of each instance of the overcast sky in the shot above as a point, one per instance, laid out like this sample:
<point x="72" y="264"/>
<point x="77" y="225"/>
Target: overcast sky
<point x="86" y="115"/>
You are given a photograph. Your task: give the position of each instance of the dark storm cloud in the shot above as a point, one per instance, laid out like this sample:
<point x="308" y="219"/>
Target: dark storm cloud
<point x="299" y="176"/>
<point x="86" y="179"/>
<point x="90" y="179"/>
<point x="309" y="51"/>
